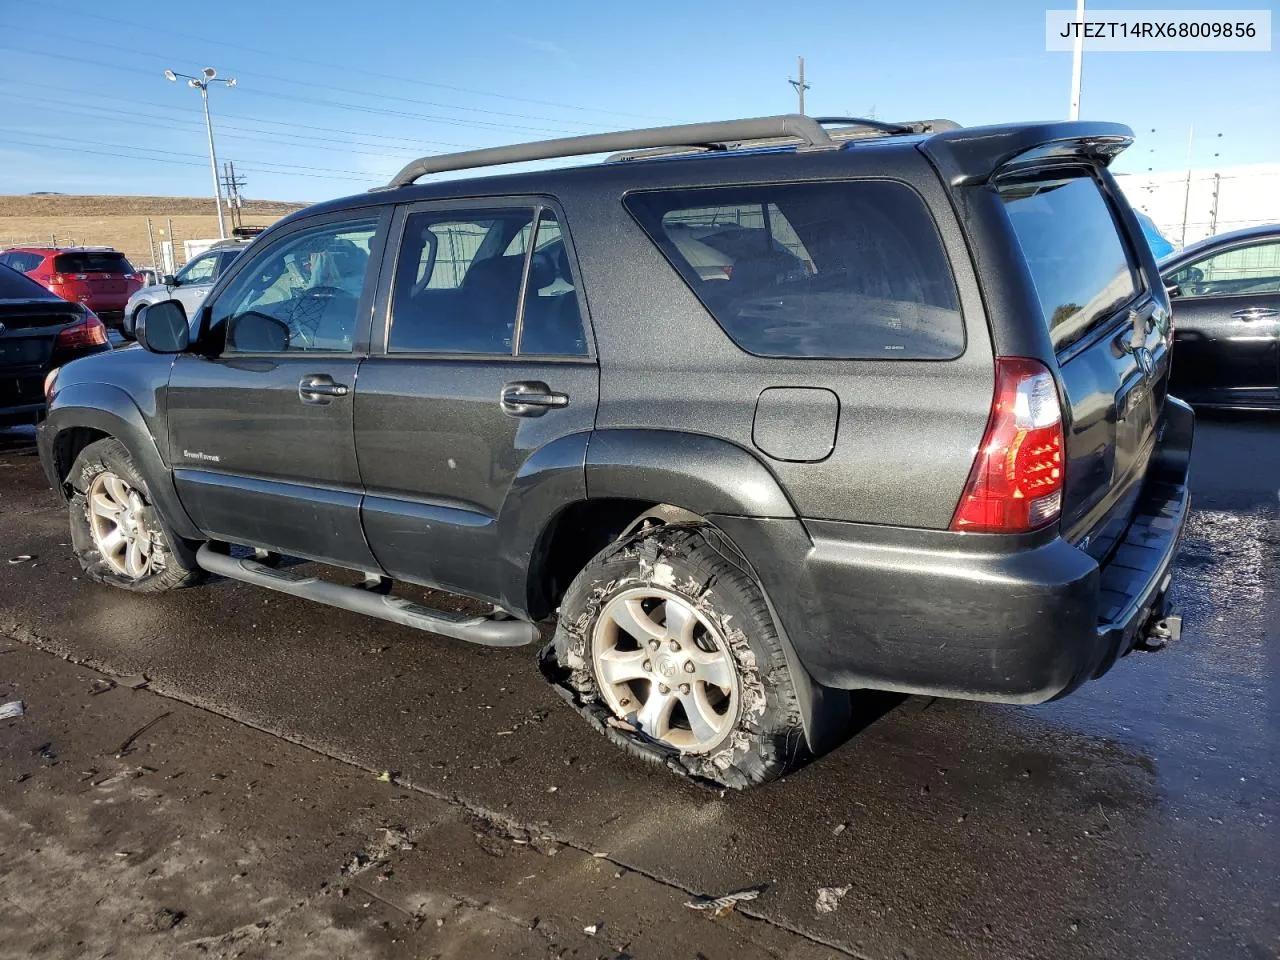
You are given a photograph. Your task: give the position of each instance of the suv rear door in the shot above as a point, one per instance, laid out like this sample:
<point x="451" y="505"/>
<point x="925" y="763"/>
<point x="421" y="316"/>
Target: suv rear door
<point x="1110" y="335"/>
<point x="481" y="360"/>
<point x="260" y="415"/>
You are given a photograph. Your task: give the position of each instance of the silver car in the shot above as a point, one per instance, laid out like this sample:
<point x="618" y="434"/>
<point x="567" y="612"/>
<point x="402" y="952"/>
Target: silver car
<point x="189" y="286"/>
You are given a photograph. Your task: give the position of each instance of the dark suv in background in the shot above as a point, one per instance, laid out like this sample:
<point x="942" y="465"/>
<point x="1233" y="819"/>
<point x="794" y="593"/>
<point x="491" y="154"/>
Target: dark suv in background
<point x="761" y="412"/>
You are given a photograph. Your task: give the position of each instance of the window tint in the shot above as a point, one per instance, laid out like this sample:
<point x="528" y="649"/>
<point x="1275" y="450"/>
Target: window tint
<point x="1074" y="249"/>
<point x="91" y="263"/>
<point x="551" y="323"/>
<point x="1245" y="270"/>
<point x="310" y="283"/>
<point x="457" y="283"/>
<point x="227" y="257"/>
<point x="16" y="286"/>
<point x="199" y="270"/>
<point x="850" y="270"/>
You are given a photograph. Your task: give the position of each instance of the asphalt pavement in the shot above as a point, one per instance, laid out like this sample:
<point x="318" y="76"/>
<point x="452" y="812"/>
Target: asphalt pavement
<point x="1135" y="818"/>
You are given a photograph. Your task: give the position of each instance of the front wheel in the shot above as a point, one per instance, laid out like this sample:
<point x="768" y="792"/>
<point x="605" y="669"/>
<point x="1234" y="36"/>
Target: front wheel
<point x="117" y="534"/>
<point x="668" y="640"/>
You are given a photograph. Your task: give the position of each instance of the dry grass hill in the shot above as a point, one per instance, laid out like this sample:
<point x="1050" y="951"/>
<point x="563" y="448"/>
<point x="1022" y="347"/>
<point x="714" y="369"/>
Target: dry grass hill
<point x="120" y="222"/>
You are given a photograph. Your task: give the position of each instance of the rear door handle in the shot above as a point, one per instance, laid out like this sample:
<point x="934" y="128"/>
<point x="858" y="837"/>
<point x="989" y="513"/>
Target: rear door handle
<point x="1255" y="313"/>
<point x="530" y="398"/>
<point x="320" y="388"/>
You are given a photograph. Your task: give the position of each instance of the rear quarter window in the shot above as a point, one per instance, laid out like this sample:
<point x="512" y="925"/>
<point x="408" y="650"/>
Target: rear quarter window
<point x="1080" y="264"/>
<point x="836" y="270"/>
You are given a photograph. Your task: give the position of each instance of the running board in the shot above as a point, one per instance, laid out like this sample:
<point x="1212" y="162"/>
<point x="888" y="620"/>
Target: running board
<point x="484" y="630"/>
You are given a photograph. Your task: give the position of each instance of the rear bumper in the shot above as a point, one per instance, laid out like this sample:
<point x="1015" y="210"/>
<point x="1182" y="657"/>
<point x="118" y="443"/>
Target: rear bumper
<point x="971" y="616"/>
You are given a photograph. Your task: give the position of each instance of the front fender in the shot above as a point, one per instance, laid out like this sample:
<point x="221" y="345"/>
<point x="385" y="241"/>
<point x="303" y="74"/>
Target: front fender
<point x="110" y="410"/>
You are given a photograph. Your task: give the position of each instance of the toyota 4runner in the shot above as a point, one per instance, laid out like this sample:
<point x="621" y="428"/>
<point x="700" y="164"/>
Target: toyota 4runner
<point x="758" y="412"/>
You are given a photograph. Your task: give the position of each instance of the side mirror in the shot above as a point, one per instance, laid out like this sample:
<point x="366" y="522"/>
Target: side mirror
<point x="257" y="333"/>
<point x="169" y="280"/>
<point x="162" y="327"/>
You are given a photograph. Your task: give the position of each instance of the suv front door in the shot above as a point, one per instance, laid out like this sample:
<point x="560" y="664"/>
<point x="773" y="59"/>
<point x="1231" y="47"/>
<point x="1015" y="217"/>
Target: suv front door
<point x="260" y="416"/>
<point x="482" y="360"/>
<point x="1226" y="310"/>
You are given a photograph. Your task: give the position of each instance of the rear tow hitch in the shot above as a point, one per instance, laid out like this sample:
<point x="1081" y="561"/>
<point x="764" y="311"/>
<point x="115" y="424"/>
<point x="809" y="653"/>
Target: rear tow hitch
<point x="1160" y="632"/>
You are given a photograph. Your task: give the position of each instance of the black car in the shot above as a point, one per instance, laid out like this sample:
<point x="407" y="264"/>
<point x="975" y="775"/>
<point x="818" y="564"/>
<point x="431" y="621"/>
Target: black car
<point x="1225" y="293"/>
<point x="38" y="332"/>
<point x="916" y="439"/>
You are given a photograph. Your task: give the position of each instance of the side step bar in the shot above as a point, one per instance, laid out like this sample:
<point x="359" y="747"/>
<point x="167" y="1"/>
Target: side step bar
<point x="485" y="630"/>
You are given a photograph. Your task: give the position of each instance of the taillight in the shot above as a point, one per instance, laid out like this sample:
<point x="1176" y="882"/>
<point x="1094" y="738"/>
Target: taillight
<point x="57" y="279"/>
<point x="89" y="332"/>
<point x="1016" y="481"/>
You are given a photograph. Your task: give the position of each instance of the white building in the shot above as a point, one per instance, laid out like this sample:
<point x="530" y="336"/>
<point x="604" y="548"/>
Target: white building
<point x="1219" y="200"/>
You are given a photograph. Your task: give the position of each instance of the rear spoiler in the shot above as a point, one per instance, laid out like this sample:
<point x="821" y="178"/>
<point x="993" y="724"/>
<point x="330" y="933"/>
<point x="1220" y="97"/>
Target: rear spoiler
<point x="979" y="154"/>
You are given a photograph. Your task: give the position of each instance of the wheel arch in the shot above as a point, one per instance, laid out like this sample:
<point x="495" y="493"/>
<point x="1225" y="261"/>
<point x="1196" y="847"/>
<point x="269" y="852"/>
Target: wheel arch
<point x="633" y="476"/>
<point x="83" y="413"/>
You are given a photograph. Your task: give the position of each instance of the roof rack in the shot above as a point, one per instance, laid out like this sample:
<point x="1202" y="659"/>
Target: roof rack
<point x="850" y="128"/>
<point x="714" y="135"/>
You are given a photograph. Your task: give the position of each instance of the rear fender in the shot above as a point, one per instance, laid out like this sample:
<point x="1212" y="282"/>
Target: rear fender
<point x="112" y="411"/>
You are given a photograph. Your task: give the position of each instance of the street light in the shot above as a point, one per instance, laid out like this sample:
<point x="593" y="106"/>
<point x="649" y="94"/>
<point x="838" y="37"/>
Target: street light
<point x="207" y="76"/>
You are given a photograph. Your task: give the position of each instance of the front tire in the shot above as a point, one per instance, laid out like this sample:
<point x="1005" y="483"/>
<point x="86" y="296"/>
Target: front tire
<point x="668" y="641"/>
<point x="118" y="536"/>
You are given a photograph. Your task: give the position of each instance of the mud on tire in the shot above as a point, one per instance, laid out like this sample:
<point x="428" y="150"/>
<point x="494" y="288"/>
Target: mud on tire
<point x="172" y="559"/>
<point x="695" y="563"/>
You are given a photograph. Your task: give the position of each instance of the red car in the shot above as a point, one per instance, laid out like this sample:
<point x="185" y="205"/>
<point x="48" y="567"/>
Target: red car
<point x="99" y="277"/>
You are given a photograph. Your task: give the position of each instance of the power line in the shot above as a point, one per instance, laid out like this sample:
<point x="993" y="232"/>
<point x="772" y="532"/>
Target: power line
<point x="284" y="167"/>
<point x="275" y="123"/>
<point x="7" y="139"/>
<point x="306" y="83"/>
<point x="332" y="104"/>
<point x="347" y="68"/>
<point x="252" y="136"/>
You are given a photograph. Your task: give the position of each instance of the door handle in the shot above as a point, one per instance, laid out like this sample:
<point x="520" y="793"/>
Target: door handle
<point x="530" y="398"/>
<point x="320" y="388"/>
<point x="1255" y="313"/>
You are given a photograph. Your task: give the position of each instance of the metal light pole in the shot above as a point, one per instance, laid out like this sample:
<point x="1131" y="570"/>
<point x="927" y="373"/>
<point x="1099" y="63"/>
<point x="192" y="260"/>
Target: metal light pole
<point x="207" y="76"/>
<point x="1077" y="62"/>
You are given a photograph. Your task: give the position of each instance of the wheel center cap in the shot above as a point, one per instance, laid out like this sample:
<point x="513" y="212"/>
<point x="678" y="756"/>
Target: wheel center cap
<point x="667" y="666"/>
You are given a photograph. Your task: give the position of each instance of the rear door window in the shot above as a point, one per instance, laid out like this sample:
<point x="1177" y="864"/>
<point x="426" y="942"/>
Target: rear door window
<point x="91" y="263"/>
<point x="1082" y="268"/>
<point x="842" y="270"/>
<point x="1237" y="272"/>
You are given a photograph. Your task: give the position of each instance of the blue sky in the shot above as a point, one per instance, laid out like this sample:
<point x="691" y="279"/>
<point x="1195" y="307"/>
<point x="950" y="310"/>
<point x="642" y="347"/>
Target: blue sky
<point x="333" y="97"/>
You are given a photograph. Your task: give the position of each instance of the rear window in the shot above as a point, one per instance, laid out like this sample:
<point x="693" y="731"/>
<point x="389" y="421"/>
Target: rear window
<point x="846" y="270"/>
<point x="91" y="263"/>
<point x="17" y="286"/>
<point x="1081" y="266"/>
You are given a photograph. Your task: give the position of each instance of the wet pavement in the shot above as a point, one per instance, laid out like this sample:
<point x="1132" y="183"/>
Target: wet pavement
<point x="1135" y="818"/>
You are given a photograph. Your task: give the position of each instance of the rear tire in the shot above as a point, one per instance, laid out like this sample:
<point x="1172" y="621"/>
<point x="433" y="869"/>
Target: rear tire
<point x="118" y="536"/>
<point x="721" y="708"/>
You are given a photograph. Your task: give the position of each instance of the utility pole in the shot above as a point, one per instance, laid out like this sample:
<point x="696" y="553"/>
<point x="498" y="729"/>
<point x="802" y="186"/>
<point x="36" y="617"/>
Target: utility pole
<point x="800" y="85"/>
<point x="1213" y="212"/>
<point x="1186" y="196"/>
<point x="201" y="83"/>
<point x="1077" y="62"/>
<point x="233" y="185"/>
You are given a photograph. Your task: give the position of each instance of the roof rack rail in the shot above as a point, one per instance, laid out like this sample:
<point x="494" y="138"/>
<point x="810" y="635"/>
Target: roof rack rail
<point x="847" y="128"/>
<point x="711" y="135"/>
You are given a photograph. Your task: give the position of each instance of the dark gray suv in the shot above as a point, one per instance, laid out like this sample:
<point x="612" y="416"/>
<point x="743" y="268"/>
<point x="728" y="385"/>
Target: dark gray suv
<point x="760" y="412"/>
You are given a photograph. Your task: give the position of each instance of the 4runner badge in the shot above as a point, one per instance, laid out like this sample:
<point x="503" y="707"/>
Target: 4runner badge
<point x="200" y="455"/>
